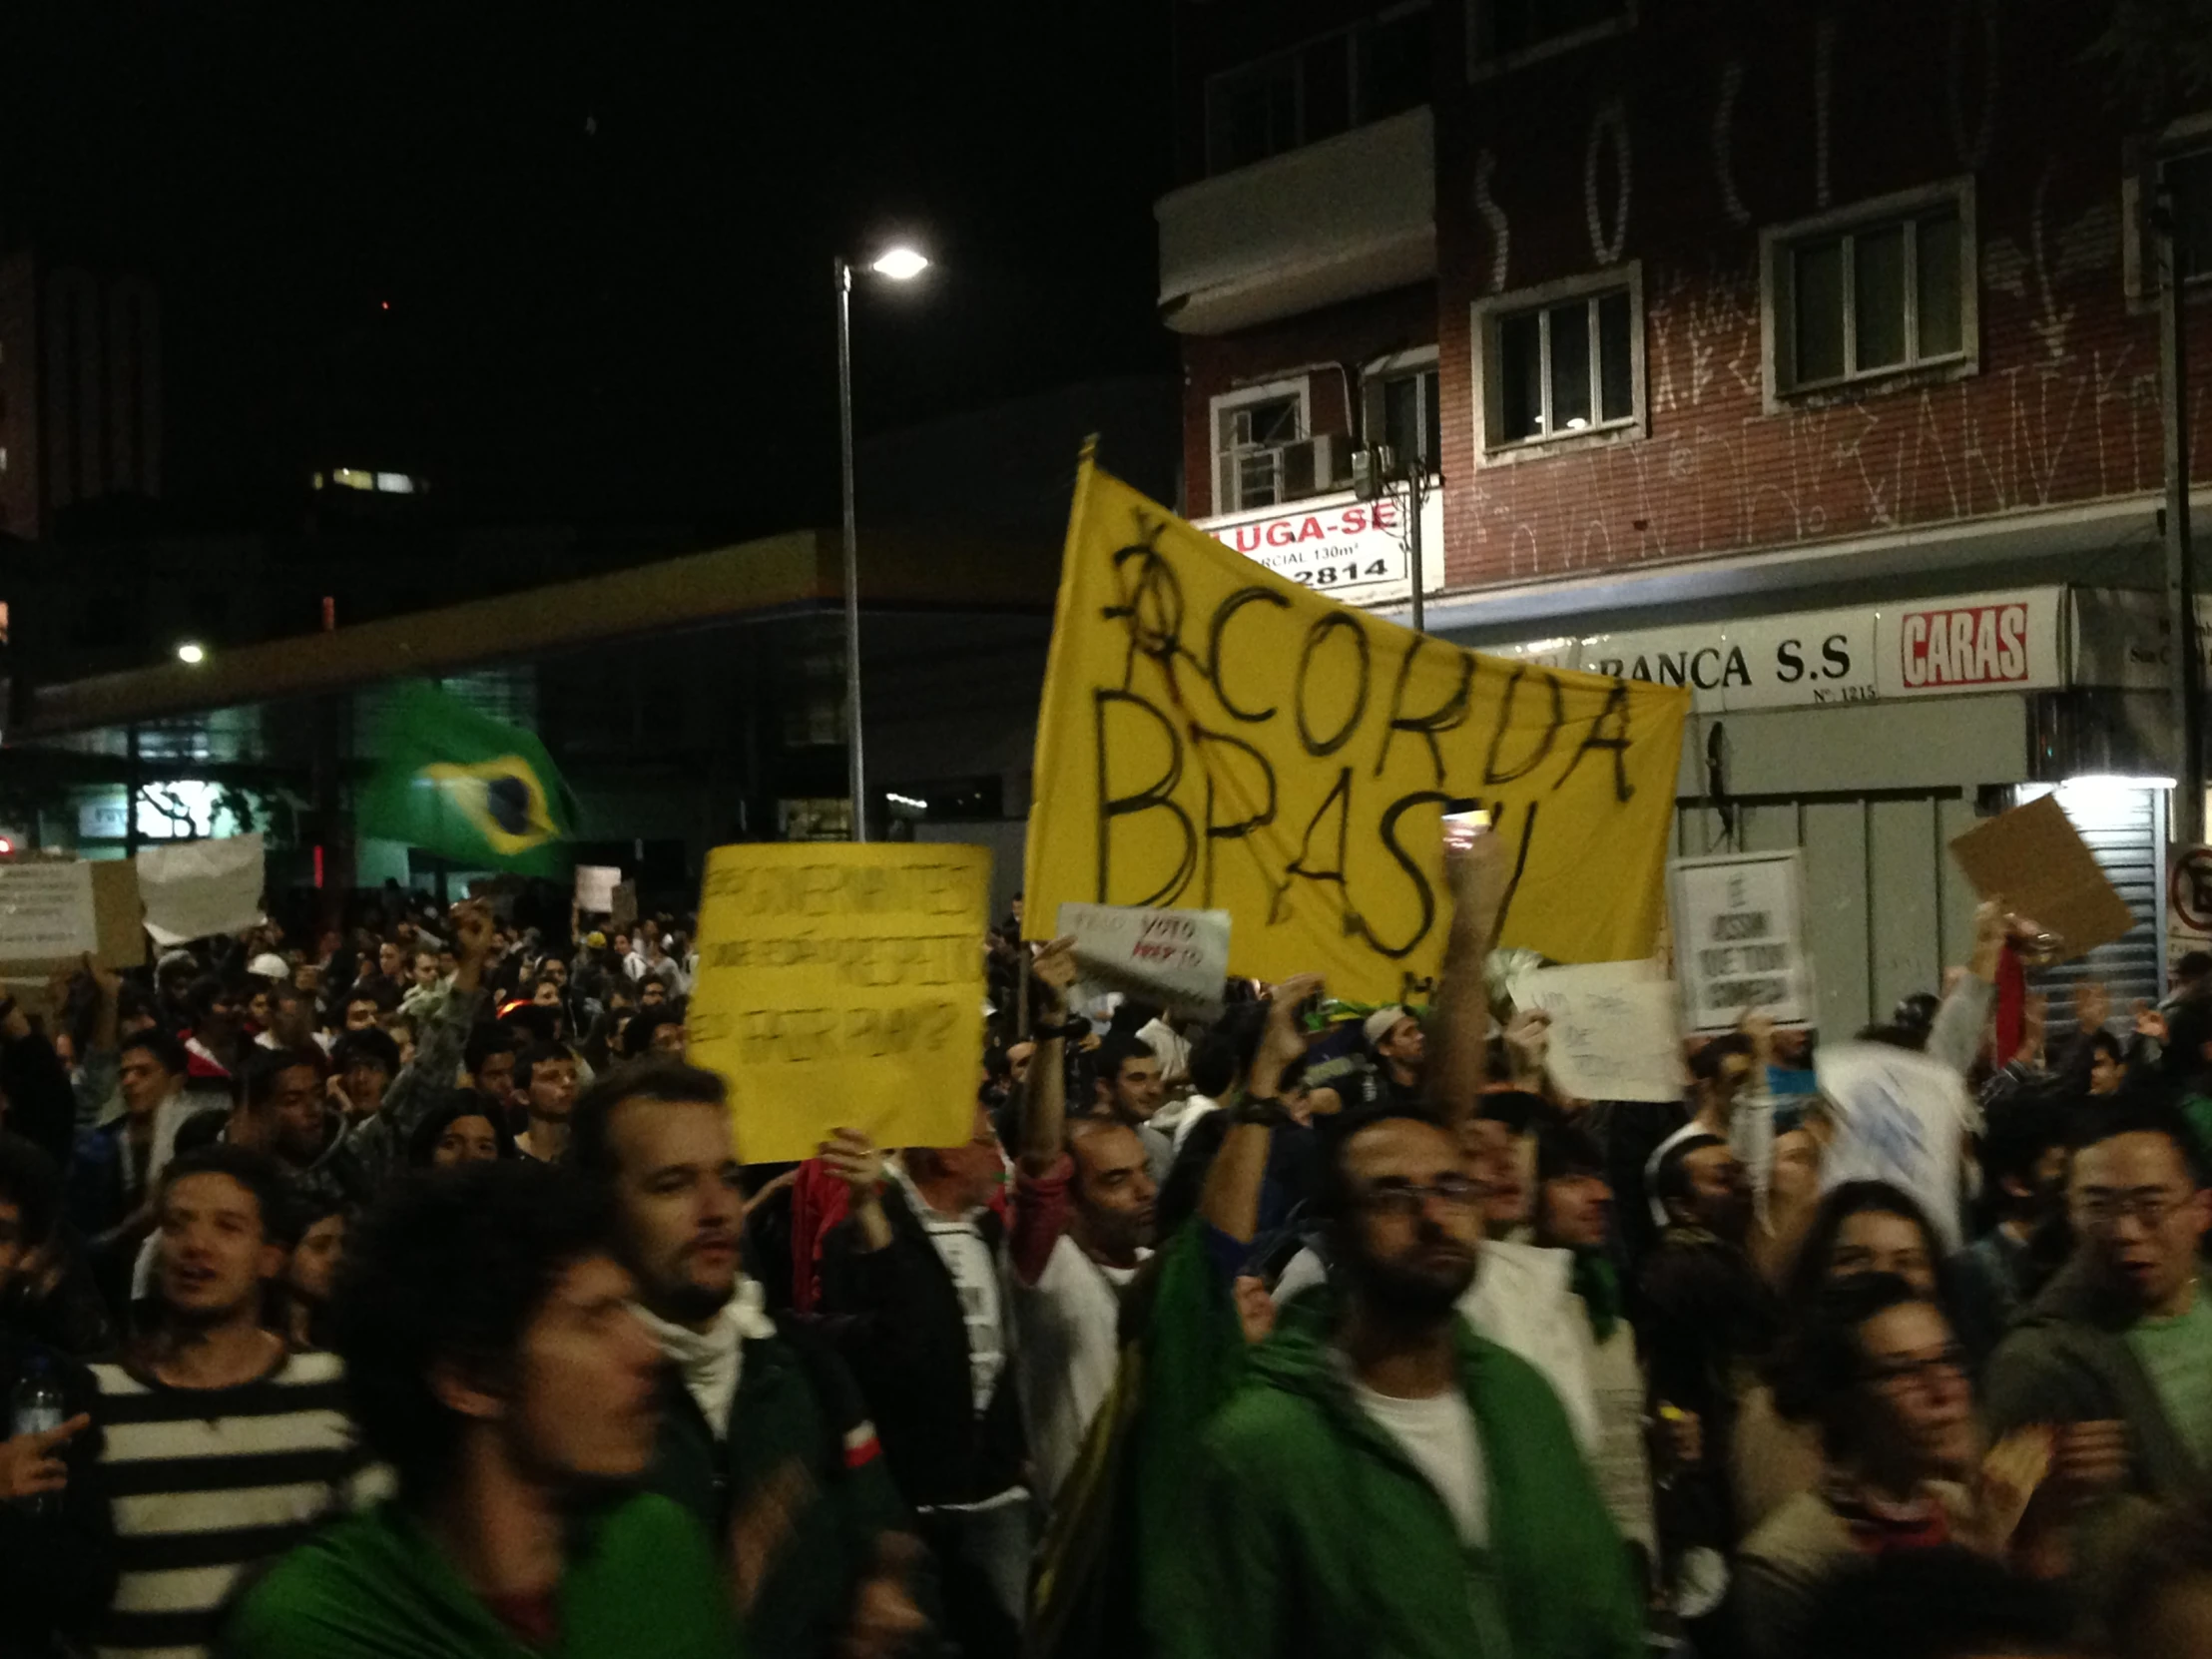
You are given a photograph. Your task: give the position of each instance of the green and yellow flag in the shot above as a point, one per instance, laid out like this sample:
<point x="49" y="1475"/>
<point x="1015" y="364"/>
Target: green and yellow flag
<point x="457" y="782"/>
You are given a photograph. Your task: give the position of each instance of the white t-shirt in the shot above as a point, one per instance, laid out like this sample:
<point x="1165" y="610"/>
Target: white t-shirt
<point x="960" y="1246"/>
<point x="1439" y="1436"/>
<point x="1066" y="1327"/>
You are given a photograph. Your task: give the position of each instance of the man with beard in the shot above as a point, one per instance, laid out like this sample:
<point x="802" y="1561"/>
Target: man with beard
<point x="763" y="1433"/>
<point x="497" y="1368"/>
<point x="1387" y="1482"/>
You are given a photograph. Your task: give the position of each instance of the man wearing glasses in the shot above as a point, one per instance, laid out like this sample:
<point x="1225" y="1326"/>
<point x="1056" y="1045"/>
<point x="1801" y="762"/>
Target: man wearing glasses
<point x="1387" y="1481"/>
<point x="2117" y="1351"/>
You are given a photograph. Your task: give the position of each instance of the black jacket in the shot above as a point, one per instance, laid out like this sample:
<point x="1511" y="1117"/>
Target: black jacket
<point x="898" y="1319"/>
<point x="57" y="1570"/>
<point x="800" y="1442"/>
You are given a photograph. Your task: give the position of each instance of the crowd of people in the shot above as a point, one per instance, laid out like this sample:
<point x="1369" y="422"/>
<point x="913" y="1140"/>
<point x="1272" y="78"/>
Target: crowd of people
<point x="411" y="1295"/>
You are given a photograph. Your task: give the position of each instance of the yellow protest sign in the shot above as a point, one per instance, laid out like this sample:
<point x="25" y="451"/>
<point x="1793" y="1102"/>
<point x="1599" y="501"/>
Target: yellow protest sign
<point x="842" y="985"/>
<point x="1218" y="736"/>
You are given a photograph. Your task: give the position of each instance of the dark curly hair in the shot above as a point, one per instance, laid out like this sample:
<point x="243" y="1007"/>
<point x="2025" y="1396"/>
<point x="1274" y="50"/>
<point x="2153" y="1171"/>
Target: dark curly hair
<point x="451" y="1267"/>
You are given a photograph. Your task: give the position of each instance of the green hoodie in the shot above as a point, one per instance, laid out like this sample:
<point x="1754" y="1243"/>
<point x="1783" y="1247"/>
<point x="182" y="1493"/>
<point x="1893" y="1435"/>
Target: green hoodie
<point x="641" y="1584"/>
<point x="1314" y="1535"/>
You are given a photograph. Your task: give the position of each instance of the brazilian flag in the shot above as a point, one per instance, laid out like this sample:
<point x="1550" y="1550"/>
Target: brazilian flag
<point x="457" y="782"/>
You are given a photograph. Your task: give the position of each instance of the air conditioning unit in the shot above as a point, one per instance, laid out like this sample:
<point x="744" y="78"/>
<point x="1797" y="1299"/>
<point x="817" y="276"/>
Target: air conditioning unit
<point x="1373" y="470"/>
<point x="1315" y="465"/>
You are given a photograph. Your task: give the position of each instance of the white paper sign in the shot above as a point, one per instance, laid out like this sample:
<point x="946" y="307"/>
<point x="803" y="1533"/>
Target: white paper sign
<point x="1899" y="1117"/>
<point x="1173" y="956"/>
<point x="46" y="910"/>
<point x="194" y="890"/>
<point x="1739" y="939"/>
<point x="1613" y="1033"/>
<point x="595" y="888"/>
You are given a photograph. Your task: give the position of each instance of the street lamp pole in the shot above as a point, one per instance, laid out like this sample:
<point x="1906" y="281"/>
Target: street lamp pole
<point x="856" y="762"/>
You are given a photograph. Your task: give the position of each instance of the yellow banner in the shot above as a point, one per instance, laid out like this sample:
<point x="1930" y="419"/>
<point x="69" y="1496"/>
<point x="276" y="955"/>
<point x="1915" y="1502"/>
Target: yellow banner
<point x="1217" y="737"/>
<point x="842" y="985"/>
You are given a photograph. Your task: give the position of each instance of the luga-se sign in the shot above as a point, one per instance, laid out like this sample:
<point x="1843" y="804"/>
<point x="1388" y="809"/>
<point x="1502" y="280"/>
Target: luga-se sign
<point x="1978" y="643"/>
<point x="1356" y="552"/>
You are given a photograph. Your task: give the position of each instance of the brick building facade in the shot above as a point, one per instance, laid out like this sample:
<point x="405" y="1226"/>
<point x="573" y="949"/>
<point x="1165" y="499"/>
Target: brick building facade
<point x="1724" y="329"/>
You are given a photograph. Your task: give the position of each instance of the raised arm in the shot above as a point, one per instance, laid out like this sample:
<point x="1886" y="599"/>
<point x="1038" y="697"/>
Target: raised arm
<point x="1044" y="1094"/>
<point x="1230" y="1200"/>
<point x="1459" y="1023"/>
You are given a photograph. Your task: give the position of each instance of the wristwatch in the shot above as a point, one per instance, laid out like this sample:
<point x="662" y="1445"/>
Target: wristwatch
<point x="1267" y="1112"/>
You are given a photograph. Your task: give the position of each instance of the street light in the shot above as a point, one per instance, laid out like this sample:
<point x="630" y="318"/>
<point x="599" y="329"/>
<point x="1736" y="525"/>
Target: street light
<point x="190" y="652"/>
<point x="897" y="264"/>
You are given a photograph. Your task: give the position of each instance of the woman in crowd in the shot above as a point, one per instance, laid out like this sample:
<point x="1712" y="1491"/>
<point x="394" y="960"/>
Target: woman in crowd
<point x="1876" y="1365"/>
<point x="1861" y="1228"/>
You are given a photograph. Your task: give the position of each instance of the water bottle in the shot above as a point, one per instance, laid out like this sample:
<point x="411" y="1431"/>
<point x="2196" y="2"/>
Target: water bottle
<point x="36" y="1407"/>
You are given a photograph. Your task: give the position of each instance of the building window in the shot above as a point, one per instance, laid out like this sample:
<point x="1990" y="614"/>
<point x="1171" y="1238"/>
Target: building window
<point x="1562" y="363"/>
<point x="1876" y="292"/>
<point x="1346" y="77"/>
<point x="1403" y="407"/>
<point x="2188" y="176"/>
<point x="1257" y="438"/>
<point x="1504" y="32"/>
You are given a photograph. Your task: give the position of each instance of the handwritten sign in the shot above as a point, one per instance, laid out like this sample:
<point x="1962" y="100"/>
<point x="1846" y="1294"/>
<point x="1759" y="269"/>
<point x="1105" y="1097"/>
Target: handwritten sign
<point x="1214" y="736"/>
<point x="842" y="984"/>
<point x="1899" y="1117"/>
<point x="1739" y="939"/>
<point x="1180" y="958"/>
<point x="46" y="910"/>
<point x="1613" y="1033"/>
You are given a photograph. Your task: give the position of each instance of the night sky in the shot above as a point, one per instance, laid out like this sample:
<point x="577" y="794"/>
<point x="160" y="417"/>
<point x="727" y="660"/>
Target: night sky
<point x="571" y="259"/>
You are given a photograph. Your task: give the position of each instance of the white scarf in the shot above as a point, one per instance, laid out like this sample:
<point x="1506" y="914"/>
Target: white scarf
<point x="713" y="1359"/>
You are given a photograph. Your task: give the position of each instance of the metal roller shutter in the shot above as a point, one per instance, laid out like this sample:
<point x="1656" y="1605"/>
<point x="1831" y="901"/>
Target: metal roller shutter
<point x="2125" y="827"/>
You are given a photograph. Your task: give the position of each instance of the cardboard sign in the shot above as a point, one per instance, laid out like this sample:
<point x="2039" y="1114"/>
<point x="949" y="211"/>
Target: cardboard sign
<point x="46" y="910"/>
<point x="2033" y="860"/>
<point x="1613" y="1033"/>
<point x="1739" y="939"/>
<point x="622" y="909"/>
<point x="841" y="985"/>
<point x="595" y="888"/>
<point x="119" y="938"/>
<point x="1179" y="957"/>
<point x="1215" y="736"/>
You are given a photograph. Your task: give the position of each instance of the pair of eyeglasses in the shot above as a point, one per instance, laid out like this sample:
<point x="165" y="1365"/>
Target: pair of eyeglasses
<point x="1390" y="1197"/>
<point x="1921" y="1373"/>
<point x="2101" y="1211"/>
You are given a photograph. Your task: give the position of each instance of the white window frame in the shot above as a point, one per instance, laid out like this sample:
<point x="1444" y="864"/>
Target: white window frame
<point x="1489" y="397"/>
<point x="1904" y="207"/>
<point x="1398" y="364"/>
<point x="1226" y="497"/>
<point x="2140" y="158"/>
<point x="1483" y="66"/>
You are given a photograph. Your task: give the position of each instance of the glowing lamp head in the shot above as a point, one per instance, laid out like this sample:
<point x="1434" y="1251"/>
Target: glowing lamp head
<point x="191" y="652"/>
<point x="901" y="264"/>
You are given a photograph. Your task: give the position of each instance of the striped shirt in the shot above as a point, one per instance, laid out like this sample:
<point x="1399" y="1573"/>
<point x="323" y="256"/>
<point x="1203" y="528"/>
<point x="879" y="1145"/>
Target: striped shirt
<point x="207" y="1483"/>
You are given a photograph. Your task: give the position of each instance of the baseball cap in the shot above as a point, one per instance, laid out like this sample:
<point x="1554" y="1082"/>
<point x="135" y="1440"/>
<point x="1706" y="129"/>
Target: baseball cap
<point x="1378" y="1023"/>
